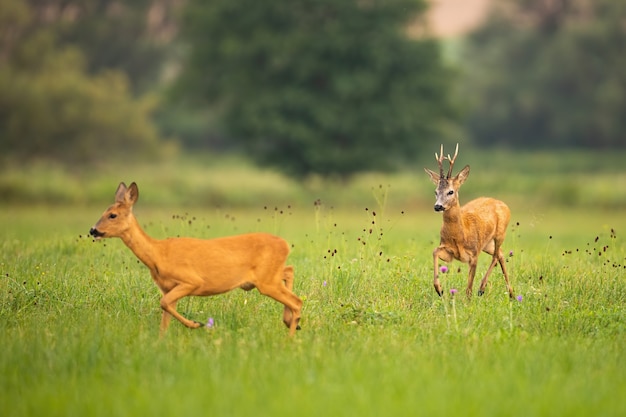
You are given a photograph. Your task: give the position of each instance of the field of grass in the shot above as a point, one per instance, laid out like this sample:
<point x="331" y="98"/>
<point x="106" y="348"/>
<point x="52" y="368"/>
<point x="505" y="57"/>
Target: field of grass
<point x="79" y="319"/>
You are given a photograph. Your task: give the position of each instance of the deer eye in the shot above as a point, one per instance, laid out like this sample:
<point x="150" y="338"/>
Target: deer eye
<point x="450" y="192"/>
<point x="112" y="216"/>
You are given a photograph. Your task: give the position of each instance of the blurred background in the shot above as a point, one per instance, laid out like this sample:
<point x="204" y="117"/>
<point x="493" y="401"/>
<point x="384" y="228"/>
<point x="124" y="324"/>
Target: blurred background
<point x="237" y="101"/>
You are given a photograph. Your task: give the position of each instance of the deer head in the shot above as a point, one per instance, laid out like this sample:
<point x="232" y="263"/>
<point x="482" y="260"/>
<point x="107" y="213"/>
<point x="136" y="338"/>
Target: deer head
<point x="116" y="219"/>
<point x="447" y="186"/>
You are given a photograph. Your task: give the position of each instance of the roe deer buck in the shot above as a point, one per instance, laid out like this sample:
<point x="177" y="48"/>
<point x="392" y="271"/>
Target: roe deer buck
<point x="479" y="225"/>
<point x="187" y="266"/>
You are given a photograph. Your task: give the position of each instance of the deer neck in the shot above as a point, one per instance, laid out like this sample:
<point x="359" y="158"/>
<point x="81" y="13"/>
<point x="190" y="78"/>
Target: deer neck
<point x="142" y="245"/>
<point x="452" y="229"/>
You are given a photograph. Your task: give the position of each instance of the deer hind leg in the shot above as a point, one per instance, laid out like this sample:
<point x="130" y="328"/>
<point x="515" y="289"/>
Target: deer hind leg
<point x="492" y="248"/>
<point x="495" y="250"/>
<point x="288" y="279"/>
<point x="506" y="276"/>
<point x="279" y="290"/>
<point x="483" y="283"/>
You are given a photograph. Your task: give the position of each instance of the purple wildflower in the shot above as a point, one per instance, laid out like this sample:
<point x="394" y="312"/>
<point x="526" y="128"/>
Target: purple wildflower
<point x="453" y="291"/>
<point x="444" y="269"/>
<point x="324" y="283"/>
<point x="210" y="323"/>
<point x="511" y="253"/>
<point x="519" y="298"/>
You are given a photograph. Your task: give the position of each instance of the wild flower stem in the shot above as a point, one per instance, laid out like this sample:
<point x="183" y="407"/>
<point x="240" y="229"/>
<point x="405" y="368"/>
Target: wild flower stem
<point x="445" y="309"/>
<point x="456" y="323"/>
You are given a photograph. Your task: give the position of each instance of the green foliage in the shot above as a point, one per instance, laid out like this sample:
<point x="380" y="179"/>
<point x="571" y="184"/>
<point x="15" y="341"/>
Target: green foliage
<point x="50" y="107"/>
<point x="525" y="180"/>
<point x="130" y="37"/>
<point x="549" y="74"/>
<point x="328" y="87"/>
<point x="79" y="321"/>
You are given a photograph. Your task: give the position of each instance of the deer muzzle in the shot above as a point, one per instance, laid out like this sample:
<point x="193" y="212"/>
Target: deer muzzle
<point x="95" y="232"/>
<point x="439" y="207"/>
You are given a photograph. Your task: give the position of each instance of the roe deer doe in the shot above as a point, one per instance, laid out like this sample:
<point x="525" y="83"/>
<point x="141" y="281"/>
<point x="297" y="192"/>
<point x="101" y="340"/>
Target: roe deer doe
<point x="479" y="225"/>
<point x="187" y="266"/>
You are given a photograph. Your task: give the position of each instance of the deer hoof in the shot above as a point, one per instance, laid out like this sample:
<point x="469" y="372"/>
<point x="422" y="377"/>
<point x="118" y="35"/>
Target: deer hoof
<point x="298" y="327"/>
<point x="480" y="293"/>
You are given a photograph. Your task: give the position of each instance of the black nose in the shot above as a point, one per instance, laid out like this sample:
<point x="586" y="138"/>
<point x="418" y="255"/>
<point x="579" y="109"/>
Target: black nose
<point x="94" y="232"/>
<point x="439" y="207"/>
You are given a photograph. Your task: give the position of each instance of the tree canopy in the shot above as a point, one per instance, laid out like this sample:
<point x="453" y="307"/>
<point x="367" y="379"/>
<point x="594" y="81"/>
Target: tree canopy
<point x="317" y="86"/>
<point x="54" y="102"/>
<point x="549" y="74"/>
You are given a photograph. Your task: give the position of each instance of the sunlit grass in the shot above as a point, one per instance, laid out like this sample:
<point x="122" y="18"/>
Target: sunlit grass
<point x="79" y="319"/>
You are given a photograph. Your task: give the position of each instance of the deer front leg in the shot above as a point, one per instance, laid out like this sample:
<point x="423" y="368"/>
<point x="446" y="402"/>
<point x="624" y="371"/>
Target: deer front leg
<point x="168" y="304"/>
<point x="444" y="255"/>
<point x="165" y="318"/>
<point x="165" y="321"/>
<point x="470" y="277"/>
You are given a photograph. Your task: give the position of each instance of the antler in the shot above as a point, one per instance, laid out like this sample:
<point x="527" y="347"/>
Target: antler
<point x="456" y="152"/>
<point x="440" y="159"/>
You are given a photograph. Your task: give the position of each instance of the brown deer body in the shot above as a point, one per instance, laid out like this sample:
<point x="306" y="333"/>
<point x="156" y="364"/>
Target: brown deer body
<point x="186" y="266"/>
<point x="479" y="225"/>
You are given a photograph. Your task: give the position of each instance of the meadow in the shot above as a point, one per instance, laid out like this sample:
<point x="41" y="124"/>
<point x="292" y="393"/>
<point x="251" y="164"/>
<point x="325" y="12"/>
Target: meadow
<point x="79" y="319"/>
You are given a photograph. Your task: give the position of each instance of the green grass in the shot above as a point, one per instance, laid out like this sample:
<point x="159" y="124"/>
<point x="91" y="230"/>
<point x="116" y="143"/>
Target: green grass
<point x="79" y="319"/>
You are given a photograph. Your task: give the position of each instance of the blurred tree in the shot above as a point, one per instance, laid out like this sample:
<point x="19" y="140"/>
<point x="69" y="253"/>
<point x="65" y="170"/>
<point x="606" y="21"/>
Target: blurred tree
<point x="133" y="37"/>
<point x="545" y="73"/>
<point x="317" y="86"/>
<point x="51" y="107"/>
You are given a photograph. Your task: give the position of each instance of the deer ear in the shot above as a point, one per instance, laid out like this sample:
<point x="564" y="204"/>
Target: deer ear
<point x="120" y="194"/>
<point x="434" y="177"/>
<point x="132" y="195"/>
<point x="462" y="176"/>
